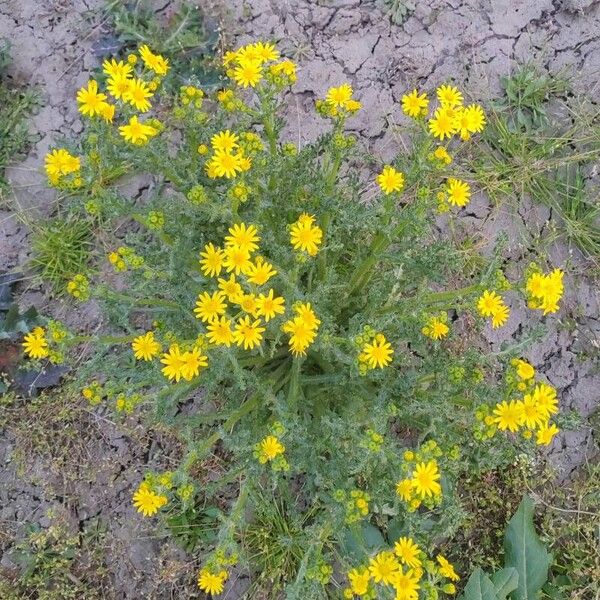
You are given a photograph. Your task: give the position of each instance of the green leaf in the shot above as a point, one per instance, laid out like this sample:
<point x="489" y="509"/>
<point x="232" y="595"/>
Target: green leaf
<point x="479" y="587"/>
<point x="525" y="552"/>
<point x="505" y="581"/>
<point x="362" y="538"/>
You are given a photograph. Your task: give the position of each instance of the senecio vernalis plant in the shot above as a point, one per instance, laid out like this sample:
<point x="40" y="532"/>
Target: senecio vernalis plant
<point x="306" y="312"/>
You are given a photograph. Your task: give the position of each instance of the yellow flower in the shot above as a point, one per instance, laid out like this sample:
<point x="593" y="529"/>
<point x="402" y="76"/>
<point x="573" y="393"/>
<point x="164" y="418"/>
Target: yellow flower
<point x="384" y="567"/>
<point x="243" y="237"/>
<point x="237" y="260"/>
<point x="116" y="69"/>
<point x="219" y="332"/>
<point x="145" y="347"/>
<point x="546" y="290"/>
<point x="108" y="112"/>
<point x="500" y="316"/>
<point x="339" y="96"/>
<point x="404" y="489"/>
<point x="435" y="328"/>
<point x="146" y="501"/>
<point x="525" y="371"/>
<point x="90" y="101"/>
<point x="415" y="105"/>
<point x="446" y="569"/>
<point x="211" y="260"/>
<point x="211" y="583"/>
<point x="60" y="162"/>
<point x="306" y="237"/>
<point x="248" y="303"/>
<point x="408" y="552"/>
<point x="406" y="585"/>
<point x="269" y="449"/>
<point x="231" y="288"/>
<point x="545" y="434"/>
<point x="390" y="180"/>
<point x="532" y="415"/>
<point x="377" y="354"/>
<point x="489" y="304"/>
<point x="35" y="344"/>
<point x="174" y="364"/>
<point x="260" y="271"/>
<point x="208" y="306"/>
<point x="449" y="96"/>
<point x="248" y="333"/>
<point x="443" y="124"/>
<point x="359" y="581"/>
<point x="118" y="86"/>
<point x="224" y="141"/>
<point x="265" y="51"/>
<point x="458" y="192"/>
<point x="545" y="398"/>
<point x="474" y="118"/>
<point x="307" y="315"/>
<point x="191" y="363"/>
<point x="137" y="95"/>
<point x="269" y="306"/>
<point x="247" y="73"/>
<point x="226" y="164"/>
<point x="136" y="132"/>
<point x="442" y="155"/>
<point x="301" y="335"/>
<point x="508" y="415"/>
<point x="155" y="62"/>
<point x="425" y="479"/>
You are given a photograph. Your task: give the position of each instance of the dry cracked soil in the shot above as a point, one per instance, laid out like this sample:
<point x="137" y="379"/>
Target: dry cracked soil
<point x="472" y="42"/>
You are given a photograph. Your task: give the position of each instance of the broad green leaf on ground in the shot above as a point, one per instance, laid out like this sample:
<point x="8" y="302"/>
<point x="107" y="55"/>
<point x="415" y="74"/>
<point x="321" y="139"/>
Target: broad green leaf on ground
<point x="505" y="581"/>
<point x="525" y="552"/>
<point x="479" y="587"/>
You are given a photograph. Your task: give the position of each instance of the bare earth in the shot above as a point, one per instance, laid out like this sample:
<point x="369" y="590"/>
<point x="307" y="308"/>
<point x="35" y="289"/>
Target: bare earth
<point x="471" y="42"/>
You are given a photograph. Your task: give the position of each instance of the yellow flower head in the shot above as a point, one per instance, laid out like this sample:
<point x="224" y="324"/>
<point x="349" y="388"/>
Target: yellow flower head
<point x="359" y="581"/>
<point x="226" y="164"/>
<point x="508" y="415"/>
<point x="408" y="552"/>
<point x="443" y="124"/>
<point x="305" y="236"/>
<point x="545" y="434"/>
<point x="137" y="95"/>
<point x="219" y="332"/>
<point x="211" y="583"/>
<point x="136" y="132"/>
<point x="446" y="569"/>
<point x="384" y="567"/>
<point x="378" y="353"/>
<point x="237" y="260"/>
<point x="243" y="237"/>
<point x="224" y="141"/>
<point x="211" y="260"/>
<point x="247" y="73"/>
<point x="415" y="105"/>
<point x="425" y="479"/>
<point x="146" y="501"/>
<point x="145" y="347"/>
<point x="449" y="96"/>
<point x="210" y="306"/>
<point x="91" y="102"/>
<point x="435" y="328"/>
<point x="458" y="192"/>
<point x="116" y="69"/>
<point x="404" y="489"/>
<point x="248" y="333"/>
<point x="269" y="449"/>
<point x="269" y="306"/>
<point x="35" y="344"/>
<point x="390" y="180"/>
<point x="339" y="96"/>
<point x="525" y="370"/>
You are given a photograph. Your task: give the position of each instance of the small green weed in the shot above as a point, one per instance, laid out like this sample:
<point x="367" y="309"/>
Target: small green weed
<point x="15" y="107"/>
<point x="398" y="10"/>
<point x="275" y="542"/>
<point x="52" y="567"/>
<point x="61" y="249"/>
<point x="529" y="154"/>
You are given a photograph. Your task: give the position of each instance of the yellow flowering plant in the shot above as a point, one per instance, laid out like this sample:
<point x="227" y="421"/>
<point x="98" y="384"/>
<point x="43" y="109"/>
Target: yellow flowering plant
<point x="318" y="327"/>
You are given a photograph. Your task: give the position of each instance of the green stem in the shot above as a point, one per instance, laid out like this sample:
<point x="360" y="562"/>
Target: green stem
<point x="199" y="452"/>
